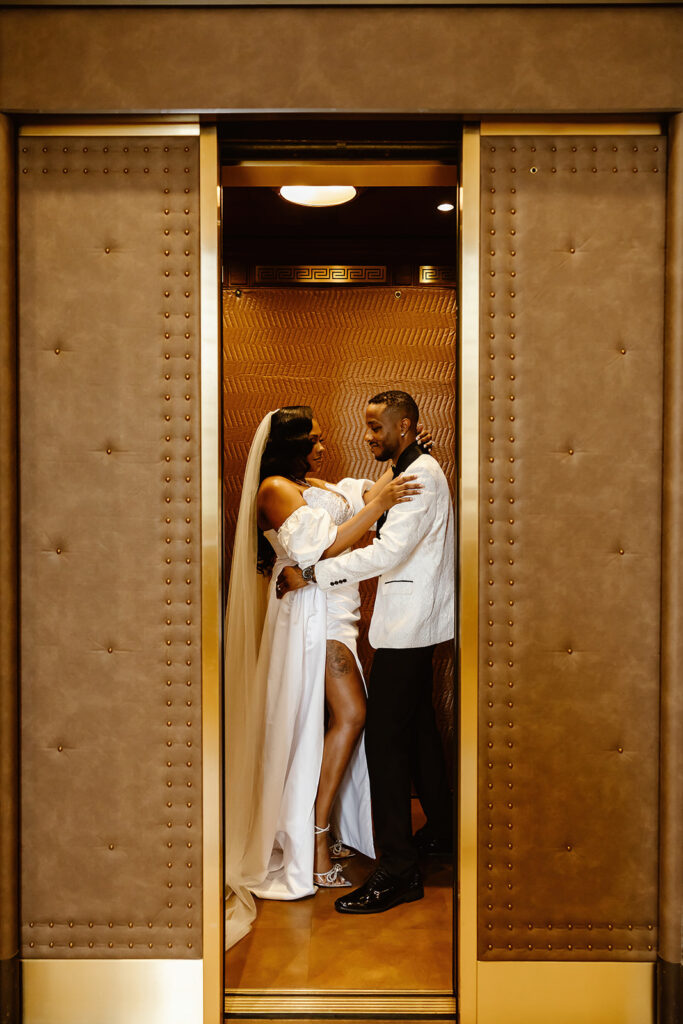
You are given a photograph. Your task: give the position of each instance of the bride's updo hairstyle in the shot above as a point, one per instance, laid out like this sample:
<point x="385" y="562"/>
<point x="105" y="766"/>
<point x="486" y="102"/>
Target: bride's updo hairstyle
<point x="286" y="454"/>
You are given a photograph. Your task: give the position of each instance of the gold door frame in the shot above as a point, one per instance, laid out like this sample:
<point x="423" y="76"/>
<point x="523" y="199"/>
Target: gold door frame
<point x="212" y="576"/>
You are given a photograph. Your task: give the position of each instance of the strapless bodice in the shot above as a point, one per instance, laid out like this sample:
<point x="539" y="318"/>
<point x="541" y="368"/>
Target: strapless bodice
<point x="334" y="503"/>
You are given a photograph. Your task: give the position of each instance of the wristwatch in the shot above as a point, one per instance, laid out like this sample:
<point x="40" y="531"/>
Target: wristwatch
<point x="309" y="574"/>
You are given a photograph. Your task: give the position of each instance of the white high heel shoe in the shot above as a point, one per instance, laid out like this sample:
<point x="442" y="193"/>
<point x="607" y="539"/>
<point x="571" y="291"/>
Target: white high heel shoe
<point x="340" y="852"/>
<point x="332" y="879"/>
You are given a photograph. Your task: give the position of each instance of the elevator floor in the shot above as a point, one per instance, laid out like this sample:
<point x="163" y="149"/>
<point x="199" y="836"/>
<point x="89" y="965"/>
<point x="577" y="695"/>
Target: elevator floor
<point x="306" y="944"/>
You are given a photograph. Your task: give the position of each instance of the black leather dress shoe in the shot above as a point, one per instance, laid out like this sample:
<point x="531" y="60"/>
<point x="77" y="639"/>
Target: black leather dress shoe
<point x="380" y="892"/>
<point x="429" y="845"/>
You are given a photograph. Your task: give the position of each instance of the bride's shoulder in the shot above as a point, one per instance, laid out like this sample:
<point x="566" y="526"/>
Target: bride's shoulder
<point x="276" y="489"/>
<point x="275" y="484"/>
<point x="277" y="498"/>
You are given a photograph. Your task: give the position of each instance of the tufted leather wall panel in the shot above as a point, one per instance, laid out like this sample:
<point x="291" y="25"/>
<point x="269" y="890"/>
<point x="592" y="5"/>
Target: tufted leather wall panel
<point x="572" y="287"/>
<point x="333" y="348"/>
<point x="110" y="547"/>
<point x="469" y="60"/>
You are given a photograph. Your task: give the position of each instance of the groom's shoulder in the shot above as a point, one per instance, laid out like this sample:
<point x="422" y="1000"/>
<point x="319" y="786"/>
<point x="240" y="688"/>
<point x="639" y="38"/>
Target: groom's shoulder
<point x="429" y="465"/>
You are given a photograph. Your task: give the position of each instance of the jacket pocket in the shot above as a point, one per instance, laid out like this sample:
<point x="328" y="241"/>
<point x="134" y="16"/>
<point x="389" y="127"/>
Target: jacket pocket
<point x="398" y="586"/>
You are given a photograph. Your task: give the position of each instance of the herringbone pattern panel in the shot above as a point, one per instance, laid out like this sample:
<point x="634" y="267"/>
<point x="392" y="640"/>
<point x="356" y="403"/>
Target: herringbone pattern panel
<point x="333" y="348"/>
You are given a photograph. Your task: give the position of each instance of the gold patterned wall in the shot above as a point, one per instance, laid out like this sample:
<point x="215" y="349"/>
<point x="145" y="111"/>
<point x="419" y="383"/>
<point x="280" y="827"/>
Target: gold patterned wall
<point x="110" y="547"/>
<point x="333" y="348"/>
<point x="572" y="286"/>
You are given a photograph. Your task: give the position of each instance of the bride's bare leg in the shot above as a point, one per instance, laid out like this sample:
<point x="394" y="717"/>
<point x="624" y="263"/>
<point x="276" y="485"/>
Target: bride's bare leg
<point x="345" y="698"/>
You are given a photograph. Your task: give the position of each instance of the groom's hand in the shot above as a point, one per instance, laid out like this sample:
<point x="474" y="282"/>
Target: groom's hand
<point x="291" y="578"/>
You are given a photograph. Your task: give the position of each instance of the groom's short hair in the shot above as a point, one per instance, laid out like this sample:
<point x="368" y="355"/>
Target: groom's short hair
<point x="400" y="402"/>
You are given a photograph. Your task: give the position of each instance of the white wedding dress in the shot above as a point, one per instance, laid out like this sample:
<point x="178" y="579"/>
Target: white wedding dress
<point x="271" y="853"/>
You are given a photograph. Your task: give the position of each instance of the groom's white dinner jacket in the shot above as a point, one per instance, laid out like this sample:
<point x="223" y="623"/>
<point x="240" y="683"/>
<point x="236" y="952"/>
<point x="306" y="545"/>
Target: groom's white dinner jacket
<point x="414" y="559"/>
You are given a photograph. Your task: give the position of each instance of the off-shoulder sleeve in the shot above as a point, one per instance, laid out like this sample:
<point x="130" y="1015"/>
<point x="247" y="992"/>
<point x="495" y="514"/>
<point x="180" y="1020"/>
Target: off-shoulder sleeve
<point x="353" y="490"/>
<point x="306" y="533"/>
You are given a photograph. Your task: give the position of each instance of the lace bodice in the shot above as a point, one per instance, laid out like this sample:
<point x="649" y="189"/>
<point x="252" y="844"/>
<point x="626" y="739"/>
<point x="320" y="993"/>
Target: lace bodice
<point x="334" y="504"/>
<point x="312" y="527"/>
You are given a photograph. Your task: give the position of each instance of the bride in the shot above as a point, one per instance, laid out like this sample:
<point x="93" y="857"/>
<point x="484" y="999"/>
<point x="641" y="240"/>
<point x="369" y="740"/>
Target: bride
<point x="287" y="778"/>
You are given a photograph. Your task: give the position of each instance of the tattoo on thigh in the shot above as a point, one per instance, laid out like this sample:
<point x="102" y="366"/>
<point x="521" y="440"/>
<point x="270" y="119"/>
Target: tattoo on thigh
<point x="339" y="658"/>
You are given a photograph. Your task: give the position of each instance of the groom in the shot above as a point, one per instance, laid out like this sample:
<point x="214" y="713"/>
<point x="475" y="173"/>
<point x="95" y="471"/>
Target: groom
<point x="413" y="555"/>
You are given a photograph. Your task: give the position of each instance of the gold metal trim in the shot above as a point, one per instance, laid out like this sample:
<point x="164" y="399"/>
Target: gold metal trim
<point x="110" y="130"/>
<point x="564" y="993"/>
<point x="320" y="274"/>
<point x="587" y="127"/>
<point x="212" y="615"/>
<point x="443" y="275"/>
<point x="112" y="992"/>
<point x="365" y="1004"/>
<point x="469" y="573"/>
<point x="274" y="173"/>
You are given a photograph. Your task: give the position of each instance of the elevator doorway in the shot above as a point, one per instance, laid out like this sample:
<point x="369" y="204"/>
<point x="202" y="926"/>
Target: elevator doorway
<point x="326" y="308"/>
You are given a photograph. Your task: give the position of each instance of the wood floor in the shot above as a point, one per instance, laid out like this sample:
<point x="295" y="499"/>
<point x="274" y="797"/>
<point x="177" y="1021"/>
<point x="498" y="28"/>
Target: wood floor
<point x="306" y="944"/>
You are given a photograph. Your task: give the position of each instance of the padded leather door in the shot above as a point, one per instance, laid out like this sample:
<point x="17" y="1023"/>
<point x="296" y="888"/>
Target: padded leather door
<point x="572" y="289"/>
<point x="110" y="613"/>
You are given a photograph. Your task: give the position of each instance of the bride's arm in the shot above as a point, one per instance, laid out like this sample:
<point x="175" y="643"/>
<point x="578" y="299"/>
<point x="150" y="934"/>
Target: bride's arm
<point x="377" y="488"/>
<point x="392" y="493"/>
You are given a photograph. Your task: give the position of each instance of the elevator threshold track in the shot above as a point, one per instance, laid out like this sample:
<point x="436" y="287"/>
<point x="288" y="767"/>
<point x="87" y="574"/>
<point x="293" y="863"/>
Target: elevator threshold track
<point x="339" y="1006"/>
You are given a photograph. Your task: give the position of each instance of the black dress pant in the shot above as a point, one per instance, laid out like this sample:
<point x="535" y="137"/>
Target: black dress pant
<point x="403" y="745"/>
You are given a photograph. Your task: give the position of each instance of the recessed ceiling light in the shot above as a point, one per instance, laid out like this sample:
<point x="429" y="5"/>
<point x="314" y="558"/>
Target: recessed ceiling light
<point x="318" y="195"/>
<point x="445" y="207"/>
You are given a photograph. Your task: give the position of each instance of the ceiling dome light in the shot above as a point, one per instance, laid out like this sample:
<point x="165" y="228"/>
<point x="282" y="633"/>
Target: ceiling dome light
<point x="445" y="207"/>
<point x="318" y="195"/>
